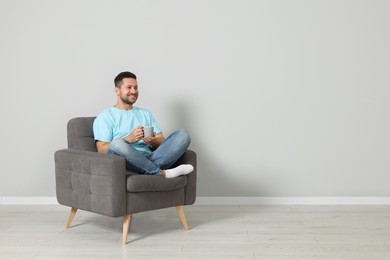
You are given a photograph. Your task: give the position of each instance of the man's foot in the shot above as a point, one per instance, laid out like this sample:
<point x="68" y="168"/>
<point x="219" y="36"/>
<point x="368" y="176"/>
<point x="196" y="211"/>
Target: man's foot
<point x="182" y="169"/>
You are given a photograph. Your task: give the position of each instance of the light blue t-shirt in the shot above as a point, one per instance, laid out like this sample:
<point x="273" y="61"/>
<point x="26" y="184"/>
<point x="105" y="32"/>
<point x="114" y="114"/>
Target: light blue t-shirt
<point x="115" y="123"/>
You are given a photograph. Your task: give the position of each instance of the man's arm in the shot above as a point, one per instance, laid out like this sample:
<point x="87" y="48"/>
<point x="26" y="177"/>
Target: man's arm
<point x="135" y="136"/>
<point x="102" y="147"/>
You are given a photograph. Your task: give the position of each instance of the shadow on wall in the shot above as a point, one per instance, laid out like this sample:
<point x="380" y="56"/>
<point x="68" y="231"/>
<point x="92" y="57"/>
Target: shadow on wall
<point x="215" y="179"/>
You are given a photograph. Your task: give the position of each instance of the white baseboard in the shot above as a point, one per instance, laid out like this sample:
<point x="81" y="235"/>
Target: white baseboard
<point x="28" y="201"/>
<point x="232" y="201"/>
<point x="292" y="201"/>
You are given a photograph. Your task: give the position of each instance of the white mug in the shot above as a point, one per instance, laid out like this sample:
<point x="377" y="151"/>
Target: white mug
<point x="148" y="131"/>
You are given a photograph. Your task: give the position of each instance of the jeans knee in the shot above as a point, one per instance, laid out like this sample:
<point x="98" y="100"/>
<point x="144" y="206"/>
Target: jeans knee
<point x="116" y="146"/>
<point x="183" y="136"/>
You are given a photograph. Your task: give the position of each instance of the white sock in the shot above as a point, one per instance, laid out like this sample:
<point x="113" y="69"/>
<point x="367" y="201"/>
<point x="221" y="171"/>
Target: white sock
<point x="182" y="169"/>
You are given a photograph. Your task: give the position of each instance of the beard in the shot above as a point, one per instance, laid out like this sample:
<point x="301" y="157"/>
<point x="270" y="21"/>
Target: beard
<point x="127" y="101"/>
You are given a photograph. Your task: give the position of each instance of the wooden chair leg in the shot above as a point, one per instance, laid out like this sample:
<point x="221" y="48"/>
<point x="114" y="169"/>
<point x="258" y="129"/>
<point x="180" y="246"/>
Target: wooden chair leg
<point x="180" y="211"/>
<point x="126" y="225"/>
<point x="71" y="217"/>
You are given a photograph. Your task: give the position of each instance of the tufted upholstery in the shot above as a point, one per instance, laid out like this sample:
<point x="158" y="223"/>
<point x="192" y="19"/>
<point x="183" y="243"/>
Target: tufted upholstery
<point x="91" y="181"/>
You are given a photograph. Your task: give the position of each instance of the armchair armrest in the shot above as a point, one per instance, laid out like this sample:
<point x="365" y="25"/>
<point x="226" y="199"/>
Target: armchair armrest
<point x="189" y="157"/>
<point x="91" y="181"/>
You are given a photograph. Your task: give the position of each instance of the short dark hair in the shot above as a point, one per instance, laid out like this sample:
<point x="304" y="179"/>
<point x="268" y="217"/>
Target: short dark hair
<point x="126" y="74"/>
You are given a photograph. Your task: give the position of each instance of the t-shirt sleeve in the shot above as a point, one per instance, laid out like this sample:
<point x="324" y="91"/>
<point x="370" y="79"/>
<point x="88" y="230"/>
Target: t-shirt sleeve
<point x="103" y="128"/>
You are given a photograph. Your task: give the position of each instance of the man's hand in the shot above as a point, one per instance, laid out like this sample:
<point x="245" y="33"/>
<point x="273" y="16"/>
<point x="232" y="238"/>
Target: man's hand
<point x="150" y="140"/>
<point x="155" y="140"/>
<point x="136" y="135"/>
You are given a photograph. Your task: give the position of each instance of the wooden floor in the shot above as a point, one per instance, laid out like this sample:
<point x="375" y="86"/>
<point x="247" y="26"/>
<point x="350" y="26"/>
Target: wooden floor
<point x="216" y="232"/>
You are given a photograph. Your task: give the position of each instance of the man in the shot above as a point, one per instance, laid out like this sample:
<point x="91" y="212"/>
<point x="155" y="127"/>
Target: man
<point x="118" y="130"/>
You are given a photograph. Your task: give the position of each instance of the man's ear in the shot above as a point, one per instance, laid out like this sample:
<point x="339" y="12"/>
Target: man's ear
<point x="117" y="91"/>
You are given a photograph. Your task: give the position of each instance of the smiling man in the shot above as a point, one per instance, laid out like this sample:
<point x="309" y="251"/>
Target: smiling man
<point x="118" y="130"/>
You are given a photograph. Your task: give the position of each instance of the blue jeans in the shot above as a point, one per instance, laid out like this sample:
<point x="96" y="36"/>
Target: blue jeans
<point x="152" y="162"/>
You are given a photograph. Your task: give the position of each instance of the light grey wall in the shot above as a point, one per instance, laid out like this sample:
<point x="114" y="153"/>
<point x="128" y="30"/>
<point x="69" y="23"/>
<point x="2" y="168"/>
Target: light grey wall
<point x="282" y="98"/>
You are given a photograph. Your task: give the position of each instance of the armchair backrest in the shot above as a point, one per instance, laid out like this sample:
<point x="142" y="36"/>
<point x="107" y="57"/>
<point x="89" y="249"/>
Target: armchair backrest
<point x="80" y="134"/>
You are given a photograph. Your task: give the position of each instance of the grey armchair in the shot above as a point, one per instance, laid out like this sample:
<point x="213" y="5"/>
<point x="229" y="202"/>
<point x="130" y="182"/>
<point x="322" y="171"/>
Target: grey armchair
<point x="100" y="183"/>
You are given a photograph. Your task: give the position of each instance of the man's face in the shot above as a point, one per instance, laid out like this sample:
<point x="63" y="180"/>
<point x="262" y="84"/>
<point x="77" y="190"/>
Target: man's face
<point x="128" y="92"/>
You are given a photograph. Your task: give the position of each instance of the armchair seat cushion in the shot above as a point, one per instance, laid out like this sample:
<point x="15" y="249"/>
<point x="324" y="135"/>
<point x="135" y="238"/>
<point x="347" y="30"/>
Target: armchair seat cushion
<point x="143" y="183"/>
